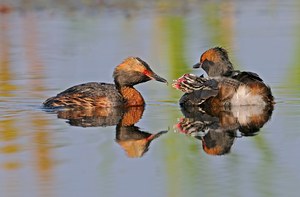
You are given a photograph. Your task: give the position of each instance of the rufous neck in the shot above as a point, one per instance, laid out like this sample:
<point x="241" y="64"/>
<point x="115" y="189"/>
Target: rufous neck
<point x="132" y="96"/>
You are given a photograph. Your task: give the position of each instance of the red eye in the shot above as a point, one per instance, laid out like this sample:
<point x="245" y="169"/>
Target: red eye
<point x="147" y="73"/>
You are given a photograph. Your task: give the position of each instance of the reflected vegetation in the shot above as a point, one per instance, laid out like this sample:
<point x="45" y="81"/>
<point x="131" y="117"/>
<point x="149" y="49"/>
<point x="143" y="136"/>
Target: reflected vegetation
<point x="6" y="75"/>
<point x="219" y="19"/>
<point x="39" y="41"/>
<point x="12" y="129"/>
<point x="217" y="128"/>
<point x="293" y="77"/>
<point x="130" y="137"/>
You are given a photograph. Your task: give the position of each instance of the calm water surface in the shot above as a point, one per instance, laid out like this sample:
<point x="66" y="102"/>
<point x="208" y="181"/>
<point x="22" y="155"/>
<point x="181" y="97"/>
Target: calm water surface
<point x="47" y="48"/>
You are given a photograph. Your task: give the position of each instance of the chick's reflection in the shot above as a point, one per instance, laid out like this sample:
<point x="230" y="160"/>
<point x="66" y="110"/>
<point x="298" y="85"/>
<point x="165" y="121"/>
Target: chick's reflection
<point x="134" y="141"/>
<point x="218" y="129"/>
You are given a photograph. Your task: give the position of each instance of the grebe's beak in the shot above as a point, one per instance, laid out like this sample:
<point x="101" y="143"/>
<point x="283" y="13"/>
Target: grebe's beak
<point x="198" y="65"/>
<point x="152" y="75"/>
<point x="158" y="78"/>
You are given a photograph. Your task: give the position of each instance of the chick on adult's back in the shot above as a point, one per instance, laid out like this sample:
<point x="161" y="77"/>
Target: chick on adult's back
<point x="130" y="72"/>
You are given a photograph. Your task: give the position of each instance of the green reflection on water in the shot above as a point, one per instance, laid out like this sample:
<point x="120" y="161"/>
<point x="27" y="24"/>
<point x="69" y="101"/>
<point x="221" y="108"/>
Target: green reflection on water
<point x="176" y="47"/>
<point x="263" y="171"/>
<point x="176" y="42"/>
<point x="177" y="165"/>
<point x="293" y="78"/>
<point x="219" y="22"/>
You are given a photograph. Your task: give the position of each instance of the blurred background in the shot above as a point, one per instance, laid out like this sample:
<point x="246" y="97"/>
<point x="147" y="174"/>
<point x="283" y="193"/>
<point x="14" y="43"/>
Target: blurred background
<point x="48" y="46"/>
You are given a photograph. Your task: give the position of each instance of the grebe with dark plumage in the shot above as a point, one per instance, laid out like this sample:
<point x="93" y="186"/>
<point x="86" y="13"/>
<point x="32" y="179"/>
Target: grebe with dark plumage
<point x="130" y="72"/>
<point x="224" y="86"/>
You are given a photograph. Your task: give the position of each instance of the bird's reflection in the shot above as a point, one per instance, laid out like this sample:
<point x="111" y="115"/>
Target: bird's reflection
<point x="217" y="128"/>
<point x="134" y="141"/>
<point x="101" y="117"/>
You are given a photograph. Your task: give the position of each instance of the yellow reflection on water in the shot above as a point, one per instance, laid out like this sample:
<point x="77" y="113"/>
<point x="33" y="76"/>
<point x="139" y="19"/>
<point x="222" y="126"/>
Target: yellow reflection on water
<point x="34" y="60"/>
<point x="5" y="74"/>
<point x="41" y="137"/>
<point x="11" y="165"/>
<point x="9" y="132"/>
<point x="37" y="142"/>
<point x="10" y="149"/>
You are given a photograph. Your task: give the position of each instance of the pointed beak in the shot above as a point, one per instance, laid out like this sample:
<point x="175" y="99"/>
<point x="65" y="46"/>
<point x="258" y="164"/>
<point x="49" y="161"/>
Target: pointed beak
<point x="198" y="65"/>
<point x="157" y="78"/>
<point x="154" y="76"/>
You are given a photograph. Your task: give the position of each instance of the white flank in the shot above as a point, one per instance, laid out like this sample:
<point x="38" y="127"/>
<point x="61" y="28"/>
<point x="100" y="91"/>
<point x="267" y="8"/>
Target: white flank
<point x="243" y="97"/>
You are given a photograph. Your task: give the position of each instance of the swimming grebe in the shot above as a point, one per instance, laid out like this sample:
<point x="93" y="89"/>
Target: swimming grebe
<point x="130" y="72"/>
<point x="224" y="85"/>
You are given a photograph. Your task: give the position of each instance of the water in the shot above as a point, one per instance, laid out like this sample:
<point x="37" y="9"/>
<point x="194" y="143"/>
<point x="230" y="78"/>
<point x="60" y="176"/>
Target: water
<point x="48" y="47"/>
